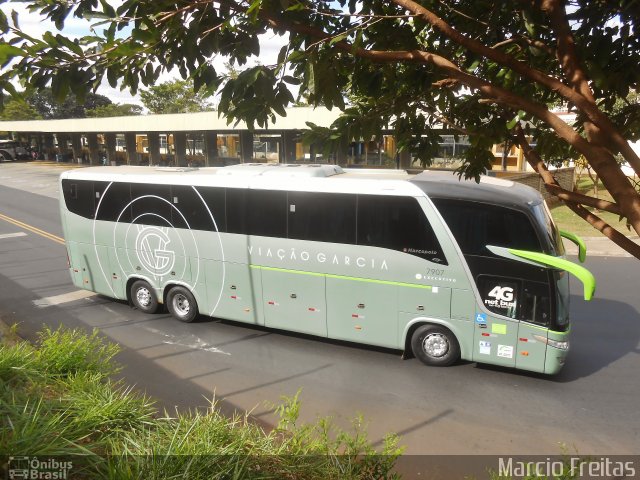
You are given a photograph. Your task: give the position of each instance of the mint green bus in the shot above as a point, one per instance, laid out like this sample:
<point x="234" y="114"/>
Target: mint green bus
<point x="438" y="268"/>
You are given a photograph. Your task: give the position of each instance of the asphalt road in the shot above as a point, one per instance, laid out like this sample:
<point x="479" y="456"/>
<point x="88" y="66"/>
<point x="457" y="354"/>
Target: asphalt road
<point x="591" y="407"/>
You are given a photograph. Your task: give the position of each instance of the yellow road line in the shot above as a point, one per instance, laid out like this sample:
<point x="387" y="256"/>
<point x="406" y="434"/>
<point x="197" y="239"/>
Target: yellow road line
<point x="33" y="229"/>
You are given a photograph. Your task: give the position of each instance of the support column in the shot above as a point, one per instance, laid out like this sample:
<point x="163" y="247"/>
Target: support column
<point x="246" y="146"/>
<point x="288" y="142"/>
<point x="63" y="147"/>
<point x="110" y="140"/>
<point x="94" y="149"/>
<point x="130" y="145"/>
<point x="48" y="146"/>
<point x="76" y="147"/>
<point x="180" y="147"/>
<point x="341" y="154"/>
<point x="405" y="159"/>
<point x="210" y="148"/>
<point x="153" y="140"/>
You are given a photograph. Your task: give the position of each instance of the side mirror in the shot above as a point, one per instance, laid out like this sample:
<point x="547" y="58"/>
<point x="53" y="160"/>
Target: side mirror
<point x="582" y="247"/>
<point x="544" y="260"/>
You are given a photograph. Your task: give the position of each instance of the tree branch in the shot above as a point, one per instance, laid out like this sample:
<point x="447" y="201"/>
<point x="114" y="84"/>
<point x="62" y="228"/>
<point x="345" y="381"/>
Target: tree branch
<point x="587" y="106"/>
<point x="498" y="94"/>
<point x="596" y="222"/>
<point x="574" y="197"/>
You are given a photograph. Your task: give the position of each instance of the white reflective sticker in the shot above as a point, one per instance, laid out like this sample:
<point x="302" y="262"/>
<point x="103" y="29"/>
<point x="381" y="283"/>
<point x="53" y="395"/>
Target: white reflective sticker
<point x="505" y="351"/>
<point x="434" y="289"/>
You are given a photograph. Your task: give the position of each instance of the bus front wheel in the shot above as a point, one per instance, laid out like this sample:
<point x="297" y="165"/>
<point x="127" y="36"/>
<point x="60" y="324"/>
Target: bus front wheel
<point x="182" y="304"/>
<point x="435" y="345"/>
<point x="142" y="297"/>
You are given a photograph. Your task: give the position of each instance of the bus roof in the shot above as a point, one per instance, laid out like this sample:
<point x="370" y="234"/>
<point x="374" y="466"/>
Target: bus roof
<point x="446" y="185"/>
<point x="330" y="178"/>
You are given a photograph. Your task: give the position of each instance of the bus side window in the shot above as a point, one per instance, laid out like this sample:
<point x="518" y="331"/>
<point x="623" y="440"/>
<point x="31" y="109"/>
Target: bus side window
<point x="476" y="225"/>
<point x="257" y="212"/>
<point x="501" y="295"/>
<point x="536" y="304"/>
<point x="151" y="205"/>
<point x="78" y="196"/>
<point x="214" y="198"/>
<point x="322" y="217"/>
<point x="115" y="204"/>
<point x="190" y="211"/>
<point x="397" y="223"/>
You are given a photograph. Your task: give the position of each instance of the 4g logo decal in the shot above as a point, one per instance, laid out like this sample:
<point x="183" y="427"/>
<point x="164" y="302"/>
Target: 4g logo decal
<point x="502" y="293"/>
<point x="501" y="297"/>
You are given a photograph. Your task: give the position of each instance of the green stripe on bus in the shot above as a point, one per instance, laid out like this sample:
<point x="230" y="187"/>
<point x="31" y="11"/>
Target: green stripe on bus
<point x="343" y="277"/>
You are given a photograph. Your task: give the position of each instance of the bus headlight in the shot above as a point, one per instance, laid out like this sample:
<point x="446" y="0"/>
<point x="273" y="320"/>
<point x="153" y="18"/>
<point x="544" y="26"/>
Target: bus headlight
<point x="560" y="345"/>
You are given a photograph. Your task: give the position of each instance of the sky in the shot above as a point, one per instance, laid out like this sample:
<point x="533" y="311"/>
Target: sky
<point x="36" y="25"/>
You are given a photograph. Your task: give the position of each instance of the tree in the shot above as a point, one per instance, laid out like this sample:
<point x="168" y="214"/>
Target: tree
<point x="490" y="70"/>
<point x="49" y="108"/>
<point x="114" y="110"/>
<point x="177" y="96"/>
<point x="19" y="109"/>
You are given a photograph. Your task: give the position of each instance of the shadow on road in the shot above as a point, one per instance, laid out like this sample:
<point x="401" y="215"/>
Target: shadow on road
<point x="141" y="371"/>
<point x="602" y="332"/>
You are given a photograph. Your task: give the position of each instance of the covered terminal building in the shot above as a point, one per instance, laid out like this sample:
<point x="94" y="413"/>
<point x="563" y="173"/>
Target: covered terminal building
<point x="205" y="139"/>
<point x="193" y="139"/>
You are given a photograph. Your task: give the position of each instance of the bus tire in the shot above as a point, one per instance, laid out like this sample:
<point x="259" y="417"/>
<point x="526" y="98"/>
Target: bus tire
<point x="182" y="304"/>
<point x="142" y="297"/>
<point x="435" y="345"/>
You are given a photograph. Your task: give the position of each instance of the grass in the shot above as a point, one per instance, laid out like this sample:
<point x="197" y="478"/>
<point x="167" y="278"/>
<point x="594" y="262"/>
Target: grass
<point x="57" y="399"/>
<point x="569" y="221"/>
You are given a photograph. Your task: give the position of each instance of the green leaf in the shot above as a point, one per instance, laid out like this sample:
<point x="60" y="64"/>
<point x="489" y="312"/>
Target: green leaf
<point x="291" y="80"/>
<point x="60" y="86"/>
<point x="7" y="52"/>
<point x="71" y="45"/>
<point x="107" y="8"/>
<point x="4" y="25"/>
<point x="512" y="123"/>
<point x="338" y="38"/>
<point x="14" y="19"/>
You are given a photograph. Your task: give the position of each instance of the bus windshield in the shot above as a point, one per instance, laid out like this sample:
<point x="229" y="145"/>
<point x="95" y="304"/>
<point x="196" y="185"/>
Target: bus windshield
<point x="543" y="217"/>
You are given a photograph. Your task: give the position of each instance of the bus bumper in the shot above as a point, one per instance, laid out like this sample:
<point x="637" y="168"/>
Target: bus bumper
<point x="556" y="355"/>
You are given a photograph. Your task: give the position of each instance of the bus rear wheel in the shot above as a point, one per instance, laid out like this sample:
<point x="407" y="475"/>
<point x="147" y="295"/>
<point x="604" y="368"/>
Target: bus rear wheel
<point x="182" y="304"/>
<point x="142" y="297"/>
<point x="435" y="345"/>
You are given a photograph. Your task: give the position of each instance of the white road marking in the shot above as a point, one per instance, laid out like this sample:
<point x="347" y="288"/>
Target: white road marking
<point x="196" y="344"/>
<point x="63" y="298"/>
<point x="12" y="235"/>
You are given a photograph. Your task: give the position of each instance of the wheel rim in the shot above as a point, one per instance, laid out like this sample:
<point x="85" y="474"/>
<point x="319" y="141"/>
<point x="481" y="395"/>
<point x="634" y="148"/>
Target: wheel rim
<point x="181" y="305"/>
<point x="435" y="345"/>
<point x="143" y="296"/>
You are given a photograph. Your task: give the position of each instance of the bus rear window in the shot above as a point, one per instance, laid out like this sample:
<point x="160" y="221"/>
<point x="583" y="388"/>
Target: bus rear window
<point x="476" y="225"/>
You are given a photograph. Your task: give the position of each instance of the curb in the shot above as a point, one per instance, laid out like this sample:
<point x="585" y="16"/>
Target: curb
<point x="600" y="247"/>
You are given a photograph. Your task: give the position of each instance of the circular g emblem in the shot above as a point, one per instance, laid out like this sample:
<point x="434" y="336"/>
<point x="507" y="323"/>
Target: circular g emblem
<point x="154" y="253"/>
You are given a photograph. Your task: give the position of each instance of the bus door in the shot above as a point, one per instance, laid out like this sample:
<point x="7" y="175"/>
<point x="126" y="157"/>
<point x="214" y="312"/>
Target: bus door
<point x="496" y="336"/>
<point x="522" y="335"/>
<point x="532" y="332"/>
